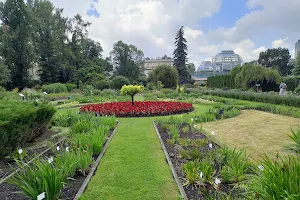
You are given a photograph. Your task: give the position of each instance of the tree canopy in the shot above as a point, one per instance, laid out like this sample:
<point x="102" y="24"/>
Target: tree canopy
<point x="277" y="58"/>
<point x="296" y="70"/>
<point x="167" y="75"/>
<point x="131" y="90"/>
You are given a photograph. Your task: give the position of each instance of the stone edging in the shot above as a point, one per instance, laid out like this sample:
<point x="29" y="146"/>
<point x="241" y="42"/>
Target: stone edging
<point x="181" y="190"/>
<point x="94" y="166"/>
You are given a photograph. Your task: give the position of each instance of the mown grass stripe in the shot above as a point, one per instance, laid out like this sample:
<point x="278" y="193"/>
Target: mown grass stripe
<point x="134" y="166"/>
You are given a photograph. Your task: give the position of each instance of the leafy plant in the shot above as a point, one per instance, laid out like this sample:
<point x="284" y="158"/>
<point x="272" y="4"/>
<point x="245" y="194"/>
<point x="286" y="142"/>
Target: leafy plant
<point x="190" y="170"/>
<point x="207" y="170"/>
<point x="296" y="138"/>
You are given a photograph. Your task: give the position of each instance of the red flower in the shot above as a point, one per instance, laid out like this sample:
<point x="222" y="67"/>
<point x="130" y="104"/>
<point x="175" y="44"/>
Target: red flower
<point x="139" y="109"/>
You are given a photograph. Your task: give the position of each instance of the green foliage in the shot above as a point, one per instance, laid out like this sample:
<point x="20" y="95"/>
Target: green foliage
<point x="190" y="170"/>
<point x="128" y="60"/>
<point x="296" y="70"/>
<point x="252" y="96"/>
<point x="291" y="82"/>
<point x="102" y="84"/>
<point x="221" y="81"/>
<point x="236" y="165"/>
<point x="70" y="86"/>
<point x="118" y="81"/>
<point x="4" y="74"/>
<point x="297" y="90"/>
<point x="55" y="88"/>
<point x="180" y="57"/>
<point x="277" y="57"/>
<point x="16" y="46"/>
<point x="31" y="94"/>
<point x="191" y="68"/>
<point x="296" y="138"/>
<point x="131" y="89"/>
<point x="21" y="122"/>
<point x="207" y="170"/>
<point x="167" y="75"/>
<point x="40" y="177"/>
<point x="278" y="180"/>
<point x="252" y="74"/>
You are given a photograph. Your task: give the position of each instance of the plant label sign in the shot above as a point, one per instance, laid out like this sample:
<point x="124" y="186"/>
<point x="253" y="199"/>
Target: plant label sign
<point x="217" y="181"/>
<point x="67" y="148"/>
<point x="201" y="175"/>
<point x="41" y="196"/>
<point x="57" y="148"/>
<point x="210" y="145"/>
<point x="50" y="160"/>
<point x="20" y="151"/>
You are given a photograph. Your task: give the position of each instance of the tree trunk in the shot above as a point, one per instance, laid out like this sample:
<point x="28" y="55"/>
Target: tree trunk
<point x="132" y="102"/>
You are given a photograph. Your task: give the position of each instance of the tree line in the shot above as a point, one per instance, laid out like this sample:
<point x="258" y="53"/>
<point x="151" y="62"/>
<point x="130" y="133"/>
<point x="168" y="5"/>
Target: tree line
<point x="36" y="35"/>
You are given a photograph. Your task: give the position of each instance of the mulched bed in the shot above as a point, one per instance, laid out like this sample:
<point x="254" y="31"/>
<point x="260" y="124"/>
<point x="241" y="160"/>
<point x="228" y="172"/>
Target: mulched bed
<point x="193" y="192"/>
<point x="139" y="109"/>
<point x="11" y="192"/>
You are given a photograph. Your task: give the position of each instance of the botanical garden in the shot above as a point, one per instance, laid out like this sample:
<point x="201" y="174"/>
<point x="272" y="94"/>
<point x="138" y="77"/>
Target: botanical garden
<point x="77" y="125"/>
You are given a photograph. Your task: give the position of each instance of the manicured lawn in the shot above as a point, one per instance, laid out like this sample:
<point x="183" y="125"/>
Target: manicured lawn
<point x="134" y="166"/>
<point x="258" y="132"/>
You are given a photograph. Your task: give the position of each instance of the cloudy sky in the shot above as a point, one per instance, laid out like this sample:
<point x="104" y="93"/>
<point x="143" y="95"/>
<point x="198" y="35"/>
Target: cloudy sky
<point x="245" y="26"/>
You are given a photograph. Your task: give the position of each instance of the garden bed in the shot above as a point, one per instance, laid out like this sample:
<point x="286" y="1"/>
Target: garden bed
<point x="191" y="147"/>
<point x="73" y="185"/>
<point x="139" y="109"/>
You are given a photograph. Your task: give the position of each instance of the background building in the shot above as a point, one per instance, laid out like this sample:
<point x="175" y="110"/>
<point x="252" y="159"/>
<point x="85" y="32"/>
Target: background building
<point x="297" y="48"/>
<point x="205" y="66"/>
<point x="150" y="64"/>
<point x="226" y="60"/>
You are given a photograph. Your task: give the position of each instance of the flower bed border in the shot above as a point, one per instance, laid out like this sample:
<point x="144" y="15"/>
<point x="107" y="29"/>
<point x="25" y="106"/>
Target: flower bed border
<point x="95" y="165"/>
<point x="168" y="159"/>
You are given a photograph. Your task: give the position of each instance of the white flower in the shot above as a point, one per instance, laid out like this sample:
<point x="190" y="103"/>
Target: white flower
<point x="212" y="132"/>
<point x="192" y="119"/>
<point x="50" y="160"/>
<point x="210" y="145"/>
<point x="201" y="175"/>
<point x="217" y="181"/>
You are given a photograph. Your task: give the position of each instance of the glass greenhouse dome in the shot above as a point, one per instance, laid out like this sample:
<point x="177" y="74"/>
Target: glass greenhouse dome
<point x="226" y="60"/>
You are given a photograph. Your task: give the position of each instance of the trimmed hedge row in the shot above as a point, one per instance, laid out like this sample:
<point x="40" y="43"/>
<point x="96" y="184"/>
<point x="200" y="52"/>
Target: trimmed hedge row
<point x="221" y="81"/>
<point x="58" y="87"/>
<point x="251" y="96"/>
<point x="21" y="122"/>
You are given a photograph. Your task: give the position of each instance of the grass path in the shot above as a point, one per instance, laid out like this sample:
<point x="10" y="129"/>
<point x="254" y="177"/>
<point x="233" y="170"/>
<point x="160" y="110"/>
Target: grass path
<point x="134" y="166"/>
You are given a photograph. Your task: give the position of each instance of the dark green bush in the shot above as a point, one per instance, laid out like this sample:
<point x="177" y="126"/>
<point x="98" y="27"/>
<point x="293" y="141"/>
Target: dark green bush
<point x="291" y="82"/>
<point x="21" y="122"/>
<point x="221" y="81"/>
<point x="167" y="75"/>
<point x="54" y="88"/>
<point x="70" y="86"/>
<point x="102" y="84"/>
<point x="118" y="81"/>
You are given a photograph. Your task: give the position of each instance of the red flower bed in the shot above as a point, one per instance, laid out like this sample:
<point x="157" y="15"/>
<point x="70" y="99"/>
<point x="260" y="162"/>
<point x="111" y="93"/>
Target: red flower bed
<point x="139" y="109"/>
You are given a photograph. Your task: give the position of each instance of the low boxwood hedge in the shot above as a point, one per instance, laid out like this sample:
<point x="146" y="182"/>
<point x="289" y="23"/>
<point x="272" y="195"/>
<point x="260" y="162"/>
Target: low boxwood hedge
<point x="21" y="122"/>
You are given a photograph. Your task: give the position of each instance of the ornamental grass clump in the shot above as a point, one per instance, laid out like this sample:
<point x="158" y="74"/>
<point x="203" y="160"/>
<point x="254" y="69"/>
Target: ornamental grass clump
<point x="277" y="179"/>
<point x="296" y="138"/>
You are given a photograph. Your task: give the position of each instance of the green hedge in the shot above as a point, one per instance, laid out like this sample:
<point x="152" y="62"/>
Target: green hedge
<point x="70" y="86"/>
<point x="55" y="88"/>
<point x="21" y="122"/>
<point x="252" y="96"/>
<point x="221" y="81"/>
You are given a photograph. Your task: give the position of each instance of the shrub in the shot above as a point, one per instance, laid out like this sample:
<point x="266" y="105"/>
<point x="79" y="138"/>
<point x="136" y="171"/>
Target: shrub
<point x="70" y="86"/>
<point x="21" y="122"/>
<point x="221" y="81"/>
<point x="102" y="84"/>
<point x="167" y="75"/>
<point x="131" y="90"/>
<point x="291" y="82"/>
<point x="118" y="81"/>
<point x="296" y="138"/>
<point x="297" y="90"/>
<point x="54" y="88"/>
<point x="2" y="89"/>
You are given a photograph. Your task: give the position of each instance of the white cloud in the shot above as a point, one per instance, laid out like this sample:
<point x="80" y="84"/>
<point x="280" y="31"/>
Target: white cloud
<point x="151" y="25"/>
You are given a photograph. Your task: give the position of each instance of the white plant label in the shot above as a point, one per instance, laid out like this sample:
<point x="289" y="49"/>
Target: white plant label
<point x="217" y="181"/>
<point x="213" y="133"/>
<point x="192" y="119"/>
<point x="21" y="95"/>
<point x="45" y="92"/>
<point x="41" y="196"/>
<point x="201" y="175"/>
<point x="57" y="148"/>
<point x="67" y="148"/>
<point x="210" y="145"/>
<point x="20" y="151"/>
<point x="261" y="167"/>
<point x="50" y="160"/>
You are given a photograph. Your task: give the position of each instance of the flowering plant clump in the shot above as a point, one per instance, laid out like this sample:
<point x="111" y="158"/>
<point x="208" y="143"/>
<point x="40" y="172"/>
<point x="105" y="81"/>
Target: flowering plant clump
<point x="139" y="109"/>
